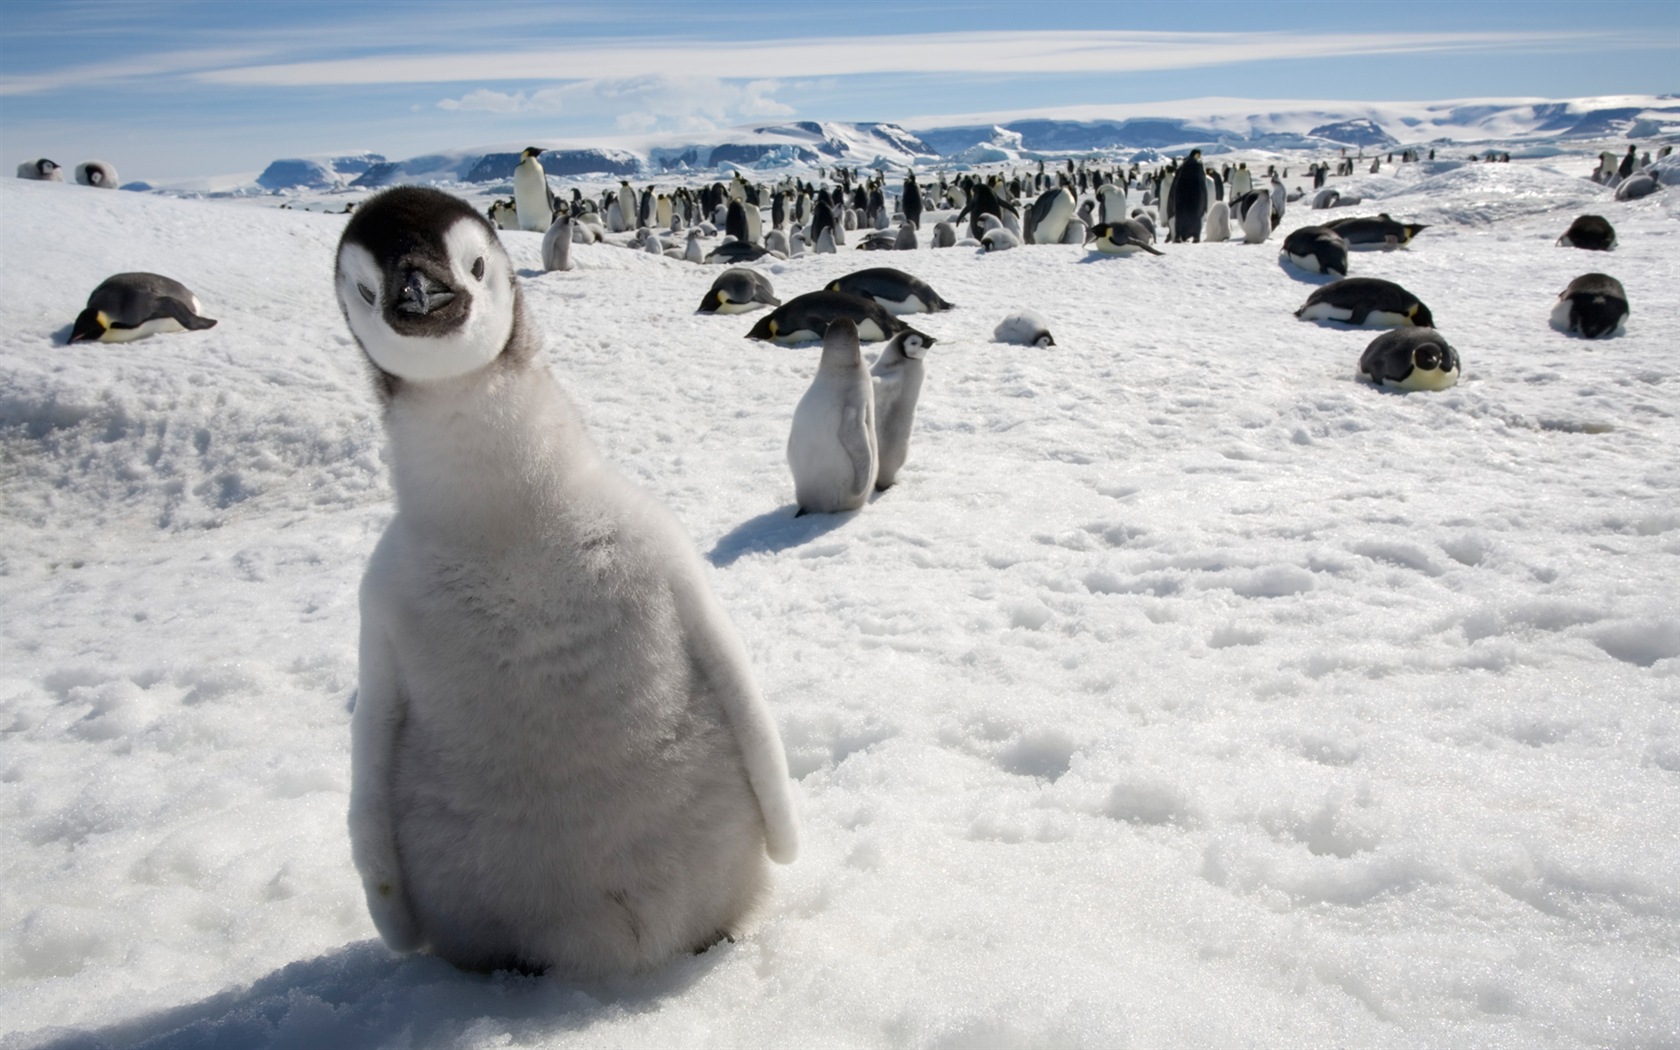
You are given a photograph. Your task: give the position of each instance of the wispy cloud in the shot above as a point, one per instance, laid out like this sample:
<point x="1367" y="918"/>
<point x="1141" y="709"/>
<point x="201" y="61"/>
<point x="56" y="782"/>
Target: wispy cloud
<point x="984" y="52"/>
<point x="644" y="103"/>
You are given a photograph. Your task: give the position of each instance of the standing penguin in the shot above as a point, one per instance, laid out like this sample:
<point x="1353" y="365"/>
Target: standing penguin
<point x="1188" y="200"/>
<point x="832" y="449"/>
<point x="1257" y="219"/>
<point x="912" y="200"/>
<point x="897" y="379"/>
<point x="1049" y="216"/>
<point x="557" y="244"/>
<point x="1218" y="222"/>
<point x="559" y="757"/>
<point x="531" y="195"/>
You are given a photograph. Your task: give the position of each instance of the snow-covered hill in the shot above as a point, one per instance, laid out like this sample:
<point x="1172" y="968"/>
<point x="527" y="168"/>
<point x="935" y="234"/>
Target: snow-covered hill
<point x="1211" y="124"/>
<point x="1185" y="691"/>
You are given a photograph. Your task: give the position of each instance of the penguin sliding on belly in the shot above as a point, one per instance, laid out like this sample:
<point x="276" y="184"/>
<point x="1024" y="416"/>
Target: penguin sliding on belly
<point x="805" y="318"/>
<point x="896" y="291"/>
<point x="129" y="306"/>
<point x="738" y="290"/>
<point x="1317" y="250"/>
<point x="1366" y="301"/>
<point x="1410" y="359"/>
<point x="1126" y="237"/>
<point x="1594" y="304"/>
<point x="559" y="757"/>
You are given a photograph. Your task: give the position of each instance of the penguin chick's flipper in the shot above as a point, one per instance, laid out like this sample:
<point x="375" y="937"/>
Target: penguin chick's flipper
<point x="181" y="313"/>
<point x="721" y="659"/>
<point x="374" y="725"/>
<point x="855" y="440"/>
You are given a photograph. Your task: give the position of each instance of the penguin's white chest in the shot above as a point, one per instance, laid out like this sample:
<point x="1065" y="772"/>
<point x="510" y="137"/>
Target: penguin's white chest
<point x="530" y="195"/>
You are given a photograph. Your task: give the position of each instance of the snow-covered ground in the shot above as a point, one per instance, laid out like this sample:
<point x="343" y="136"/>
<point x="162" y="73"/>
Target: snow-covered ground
<point x="1184" y="691"/>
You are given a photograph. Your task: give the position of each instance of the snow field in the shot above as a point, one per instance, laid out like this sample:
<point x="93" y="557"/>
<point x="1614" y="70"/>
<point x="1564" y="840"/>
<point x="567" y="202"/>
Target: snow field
<point x="1184" y="690"/>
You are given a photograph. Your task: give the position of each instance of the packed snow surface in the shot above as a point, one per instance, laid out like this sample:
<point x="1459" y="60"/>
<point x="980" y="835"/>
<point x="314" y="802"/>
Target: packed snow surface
<point x="1185" y="690"/>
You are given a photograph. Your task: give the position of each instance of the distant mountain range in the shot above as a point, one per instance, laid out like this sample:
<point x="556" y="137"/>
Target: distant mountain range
<point x="1212" y="125"/>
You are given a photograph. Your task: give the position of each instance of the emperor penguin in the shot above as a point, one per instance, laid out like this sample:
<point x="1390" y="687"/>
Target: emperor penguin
<point x="1218" y="222"/>
<point x="40" y="170"/>
<point x="627" y="204"/>
<point x="694" y="251"/>
<point x="1366" y="300"/>
<point x="1112" y="197"/>
<point x="1125" y="237"/>
<point x="944" y="235"/>
<point x="129" y="306"/>
<point x="531" y="195"/>
<point x="912" y="201"/>
<point x="1257" y="219"/>
<point x="776" y="242"/>
<point x="1410" y="359"/>
<point x="557" y="244"/>
<point x="1187" y="200"/>
<point x="897" y="292"/>
<point x="96" y="173"/>
<point x="806" y="317"/>
<point x="1594" y="304"/>
<point x="1024" y="328"/>
<point x="1316" y="250"/>
<point x="738" y="290"/>
<point x="1048" y="218"/>
<point x="559" y="757"/>
<point x="897" y="379"/>
<point x="832" y="449"/>
<point x="1591" y="232"/>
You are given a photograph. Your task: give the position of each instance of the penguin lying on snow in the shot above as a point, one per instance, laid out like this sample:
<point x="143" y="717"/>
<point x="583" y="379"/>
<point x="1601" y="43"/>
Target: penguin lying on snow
<point x="1410" y="359"/>
<point x="1317" y="250"/>
<point x="559" y="757"/>
<point x="736" y="251"/>
<point x="1126" y="237"/>
<point x="738" y="290"/>
<point x="1594" y="304"/>
<point x="1362" y="300"/>
<point x="1024" y="328"/>
<point x="1591" y="232"/>
<point x="96" y="173"/>
<point x="806" y="317"/>
<point x="131" y="306"/>
<point x="41" y="170"/>
<point x="1380" y="232"/>
<point x="896" y="291"/>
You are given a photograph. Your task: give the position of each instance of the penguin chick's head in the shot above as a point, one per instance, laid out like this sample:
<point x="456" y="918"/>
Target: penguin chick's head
<point x="425" y="286"/>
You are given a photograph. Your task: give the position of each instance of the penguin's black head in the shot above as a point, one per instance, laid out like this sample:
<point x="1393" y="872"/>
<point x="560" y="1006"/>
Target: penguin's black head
<point x="1422" y="318"/>
<point x="425" y="285"/>
<point x="531" y="151"/>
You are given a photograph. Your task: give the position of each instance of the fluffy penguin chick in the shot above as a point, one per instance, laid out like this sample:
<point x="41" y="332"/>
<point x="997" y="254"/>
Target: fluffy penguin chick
<point x="831" y="448"/>
<point x="1024" y="328"/>
<point x="897" y="378"/>
<point x="559" y="758"/>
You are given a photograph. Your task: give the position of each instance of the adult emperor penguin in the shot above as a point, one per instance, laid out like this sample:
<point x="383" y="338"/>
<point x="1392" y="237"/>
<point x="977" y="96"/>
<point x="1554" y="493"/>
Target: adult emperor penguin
<point x="557" y="244"/>
<point x="1188" y="200"/>
<point x="129" y="306"/>
<point x="1366" y="300"/>
<point x="1380" y="232"/>
<point x="911" y="201"/>
<point x="896" y="291"/>
<point x="40" y="170"/>
<point x="832" y="449"/>
<point x="1316" y="250"/>
<point x="806" y="317"/>
<point x="531" y="195"/>
<point x="1048" y="218"/>
<point x="1594" y="304"/>
<point x="897" y="377"/>
<point x="1112" y="197"/>
<point x="1125" y="237"/>
<point x="1410" y="359"/>
<point x="96" y="173"/>
<point x="559" y="757"/>
<point x="1590" y="232"/>
<point x="738" y="290"/>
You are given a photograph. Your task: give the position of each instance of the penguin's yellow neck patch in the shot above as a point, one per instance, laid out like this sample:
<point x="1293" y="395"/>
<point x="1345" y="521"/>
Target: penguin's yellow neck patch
<point x="772" y="327"/>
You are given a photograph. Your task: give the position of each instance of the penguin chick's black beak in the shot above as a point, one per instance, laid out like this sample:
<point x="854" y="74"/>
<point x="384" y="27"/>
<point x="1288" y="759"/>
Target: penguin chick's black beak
<point x="421" y="294"/>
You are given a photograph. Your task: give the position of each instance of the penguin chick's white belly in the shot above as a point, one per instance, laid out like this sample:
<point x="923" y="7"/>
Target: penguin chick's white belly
<point x="565" y="788"/>
<point x="1560" y="314"/>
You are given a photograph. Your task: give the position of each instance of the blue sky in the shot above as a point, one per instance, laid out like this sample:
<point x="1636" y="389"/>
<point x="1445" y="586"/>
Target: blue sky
<point x="173" y="89"/>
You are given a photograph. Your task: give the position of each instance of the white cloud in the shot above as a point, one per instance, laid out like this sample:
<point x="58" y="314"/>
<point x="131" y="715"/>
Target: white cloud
<point x="641" y="103"/>
<point x="929" y="53"/>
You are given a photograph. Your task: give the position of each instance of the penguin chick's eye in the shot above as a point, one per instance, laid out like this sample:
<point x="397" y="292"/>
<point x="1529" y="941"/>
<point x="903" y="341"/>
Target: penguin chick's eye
<point x="367" y="293"/>
<point x="478" y="268"/>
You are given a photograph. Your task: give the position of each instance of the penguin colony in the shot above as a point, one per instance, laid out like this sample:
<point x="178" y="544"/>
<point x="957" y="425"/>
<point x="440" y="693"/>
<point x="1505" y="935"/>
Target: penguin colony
<point x="593" y="872"/>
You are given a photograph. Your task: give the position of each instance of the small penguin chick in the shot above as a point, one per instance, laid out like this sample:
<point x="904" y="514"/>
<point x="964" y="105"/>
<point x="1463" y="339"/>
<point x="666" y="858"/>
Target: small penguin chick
<point x="1024" y="328"/>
